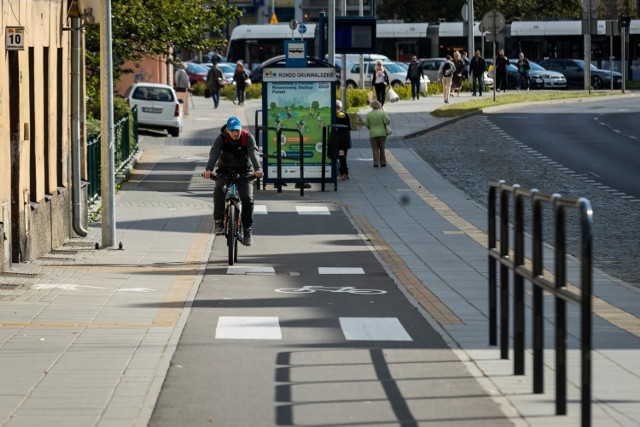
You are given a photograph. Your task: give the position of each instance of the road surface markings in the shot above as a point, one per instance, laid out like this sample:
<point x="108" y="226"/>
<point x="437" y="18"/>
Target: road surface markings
<point x="249" y="270"/>
<point x="260" y="209"/>
<point x="353" y="328"/>
<point x="248" y="328"/>
<point x="340" y="270"/>
<point x="312" y="210"/>
<point x="373" y="329"/>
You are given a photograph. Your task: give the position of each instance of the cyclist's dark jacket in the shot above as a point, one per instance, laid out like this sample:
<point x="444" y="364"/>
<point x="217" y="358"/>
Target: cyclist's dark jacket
<point x="227" y="155"/>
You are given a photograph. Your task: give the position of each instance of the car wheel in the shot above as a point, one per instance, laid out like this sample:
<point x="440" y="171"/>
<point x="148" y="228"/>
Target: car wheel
<point x="596" y="82"/>
<point x="352" y="85"/>
<point x="396" y="84"/>
<point x="175" y="132"/>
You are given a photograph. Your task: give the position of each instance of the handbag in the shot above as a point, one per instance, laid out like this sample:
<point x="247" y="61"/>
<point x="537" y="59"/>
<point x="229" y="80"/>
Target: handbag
<point x="393" y="96"/>
<point x="388" y="129"/>
<point x="207" y="93"/>
<point x="247" y="82"/>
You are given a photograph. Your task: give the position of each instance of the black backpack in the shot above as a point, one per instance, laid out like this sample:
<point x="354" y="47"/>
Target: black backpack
<point x="447" y="69"/>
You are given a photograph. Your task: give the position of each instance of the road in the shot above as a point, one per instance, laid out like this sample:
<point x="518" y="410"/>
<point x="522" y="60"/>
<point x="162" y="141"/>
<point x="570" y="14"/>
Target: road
<point x="599" y="142"/>
<point x="491" y="147"/>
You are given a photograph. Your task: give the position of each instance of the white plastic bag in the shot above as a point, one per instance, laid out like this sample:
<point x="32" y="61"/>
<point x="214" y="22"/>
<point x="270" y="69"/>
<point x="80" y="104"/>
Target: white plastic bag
<point x="393" y="96"/>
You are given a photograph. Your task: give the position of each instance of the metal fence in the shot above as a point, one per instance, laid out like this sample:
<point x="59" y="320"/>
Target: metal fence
<point x="511" y="201"/>
<point x="125" y="137"/>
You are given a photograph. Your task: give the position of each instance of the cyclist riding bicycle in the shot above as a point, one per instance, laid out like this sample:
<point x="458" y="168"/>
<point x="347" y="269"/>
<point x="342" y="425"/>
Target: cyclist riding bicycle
<point x="234" y="152"/>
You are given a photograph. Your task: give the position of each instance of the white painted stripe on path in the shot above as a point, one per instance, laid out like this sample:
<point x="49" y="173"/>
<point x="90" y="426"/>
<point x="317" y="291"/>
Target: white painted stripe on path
<point x="260" y="209"/>
<point x="248" y="328"/>
<point x="247" y="269"/>
<point x="340" y="270"/>
<point x="313" y="210"/>
<point x="373" y="329"/>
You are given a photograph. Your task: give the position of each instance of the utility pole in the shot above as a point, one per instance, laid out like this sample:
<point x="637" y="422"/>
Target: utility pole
<point x="107" y="169"/>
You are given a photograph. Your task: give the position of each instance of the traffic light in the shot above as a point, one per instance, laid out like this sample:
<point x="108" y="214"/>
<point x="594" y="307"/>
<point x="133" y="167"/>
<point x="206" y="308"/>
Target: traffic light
<point x="624" y="21"/>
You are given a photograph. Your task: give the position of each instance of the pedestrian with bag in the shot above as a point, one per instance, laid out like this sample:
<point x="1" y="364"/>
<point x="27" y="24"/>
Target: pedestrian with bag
<point x="445" y="74"/>
<point x="414" y="73"/>
<point x="379" y="81"/>
<point x="377" y="121"/>
<point x="234" y="151"/>
<point x="477" y="67"/>
<point x="456" y="79"/>
<point x="215" y="82"/>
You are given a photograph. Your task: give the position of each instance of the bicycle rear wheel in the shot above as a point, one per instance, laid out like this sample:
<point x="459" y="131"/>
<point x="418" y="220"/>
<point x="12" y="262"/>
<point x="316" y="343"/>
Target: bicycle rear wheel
<point x="232" y="234"/>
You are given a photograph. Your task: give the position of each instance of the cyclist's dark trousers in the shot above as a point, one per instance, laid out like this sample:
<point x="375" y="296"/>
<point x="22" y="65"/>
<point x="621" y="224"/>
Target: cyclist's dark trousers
<point x="245" y="190"/>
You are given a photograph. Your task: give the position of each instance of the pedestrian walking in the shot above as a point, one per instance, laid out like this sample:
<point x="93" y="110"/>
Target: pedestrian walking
<point x="523" y="71"/>
<point x="377" y="121"/>
<point x="240" y="77"/>
<point x="379" y="81"/>
<point x="501" y="71"/>
<point x="456" y="79"/>
<point x="215" y="82"/>
<point x="477" y="68"/>
<point x="414" y="74"/>
<point x="445" y="73"/>
<point x="182" y="85"/>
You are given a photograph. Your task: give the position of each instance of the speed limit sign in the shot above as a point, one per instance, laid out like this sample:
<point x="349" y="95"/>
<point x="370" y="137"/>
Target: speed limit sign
<point x="15" y="38"/>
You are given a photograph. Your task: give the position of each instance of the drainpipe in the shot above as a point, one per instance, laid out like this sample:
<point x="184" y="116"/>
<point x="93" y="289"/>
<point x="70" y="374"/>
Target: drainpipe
<point x="76" y="108"/>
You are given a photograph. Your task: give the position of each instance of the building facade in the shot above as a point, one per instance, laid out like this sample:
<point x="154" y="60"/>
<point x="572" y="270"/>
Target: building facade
<point x="35" y="129"/>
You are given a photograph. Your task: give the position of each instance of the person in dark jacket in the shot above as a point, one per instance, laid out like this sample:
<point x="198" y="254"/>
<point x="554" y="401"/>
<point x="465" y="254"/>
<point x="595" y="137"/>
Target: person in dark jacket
<point x="234" y="151"/>
<point x="215" y="81"/>
<point x="239" y="77"/>
<point x="523" y="72"/>
<point x="414" y="72"/>
<point x="477" y="67"/>
<point x="501" y="71"/>
<point x="341" y="141"/>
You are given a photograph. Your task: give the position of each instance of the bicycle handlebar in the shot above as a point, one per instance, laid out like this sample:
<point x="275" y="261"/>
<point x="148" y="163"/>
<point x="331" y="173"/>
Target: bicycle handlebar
<point x="233" y="176"/>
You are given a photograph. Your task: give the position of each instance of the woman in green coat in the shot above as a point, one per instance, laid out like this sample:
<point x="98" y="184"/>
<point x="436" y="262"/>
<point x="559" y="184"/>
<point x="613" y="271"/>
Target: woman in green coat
<point x="377" y="121"/>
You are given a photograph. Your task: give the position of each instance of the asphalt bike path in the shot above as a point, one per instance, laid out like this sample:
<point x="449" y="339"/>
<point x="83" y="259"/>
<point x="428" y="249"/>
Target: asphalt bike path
<point x="308" y="328"/>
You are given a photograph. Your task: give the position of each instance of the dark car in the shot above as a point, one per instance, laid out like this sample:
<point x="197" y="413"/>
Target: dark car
<point x="573" y="70"/>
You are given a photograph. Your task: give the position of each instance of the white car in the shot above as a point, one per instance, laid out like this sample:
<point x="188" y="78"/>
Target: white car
<point x="158" y="106"/>
<point x="397" y="75"/>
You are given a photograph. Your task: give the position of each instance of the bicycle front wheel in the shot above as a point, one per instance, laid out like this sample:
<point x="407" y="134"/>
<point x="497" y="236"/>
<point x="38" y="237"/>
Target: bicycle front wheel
<point x="232" y="235"/>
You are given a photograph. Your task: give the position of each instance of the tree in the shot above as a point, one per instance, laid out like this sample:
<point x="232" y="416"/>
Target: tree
<point x="156" y="28"/>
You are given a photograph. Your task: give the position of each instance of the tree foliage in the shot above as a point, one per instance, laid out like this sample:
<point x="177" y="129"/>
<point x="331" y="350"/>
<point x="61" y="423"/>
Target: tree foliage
<point x="152" y="28"/>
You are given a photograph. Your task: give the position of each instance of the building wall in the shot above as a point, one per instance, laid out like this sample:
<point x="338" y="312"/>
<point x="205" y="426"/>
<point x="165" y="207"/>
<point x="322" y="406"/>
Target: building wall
<point x="34" y="131"/>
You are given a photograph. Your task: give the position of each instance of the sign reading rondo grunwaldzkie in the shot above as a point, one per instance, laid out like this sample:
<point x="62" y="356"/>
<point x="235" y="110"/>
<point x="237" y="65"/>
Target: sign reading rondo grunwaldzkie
<point x="299" y="99"/>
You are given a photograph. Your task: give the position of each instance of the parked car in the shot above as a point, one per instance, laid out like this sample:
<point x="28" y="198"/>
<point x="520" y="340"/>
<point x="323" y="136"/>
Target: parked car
<point x="430" y="66"/>
<point x="158" y="106"/>
<point x="196" y="72"/>
<point x="541" y="78"/>
<point x="573" y="70"/>
<point x="397" y="75"/>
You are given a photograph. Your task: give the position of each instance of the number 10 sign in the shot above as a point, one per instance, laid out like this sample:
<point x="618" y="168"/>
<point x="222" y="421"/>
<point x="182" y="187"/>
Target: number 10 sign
<point x="15" y="38"/>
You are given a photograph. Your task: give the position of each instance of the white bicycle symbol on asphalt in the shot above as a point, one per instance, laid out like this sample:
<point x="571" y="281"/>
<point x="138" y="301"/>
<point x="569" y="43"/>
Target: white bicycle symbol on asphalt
<point x="341" y="289"/>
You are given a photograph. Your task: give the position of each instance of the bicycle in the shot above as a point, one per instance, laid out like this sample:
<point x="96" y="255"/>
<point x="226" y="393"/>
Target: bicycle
<point x="232" y="221"/>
